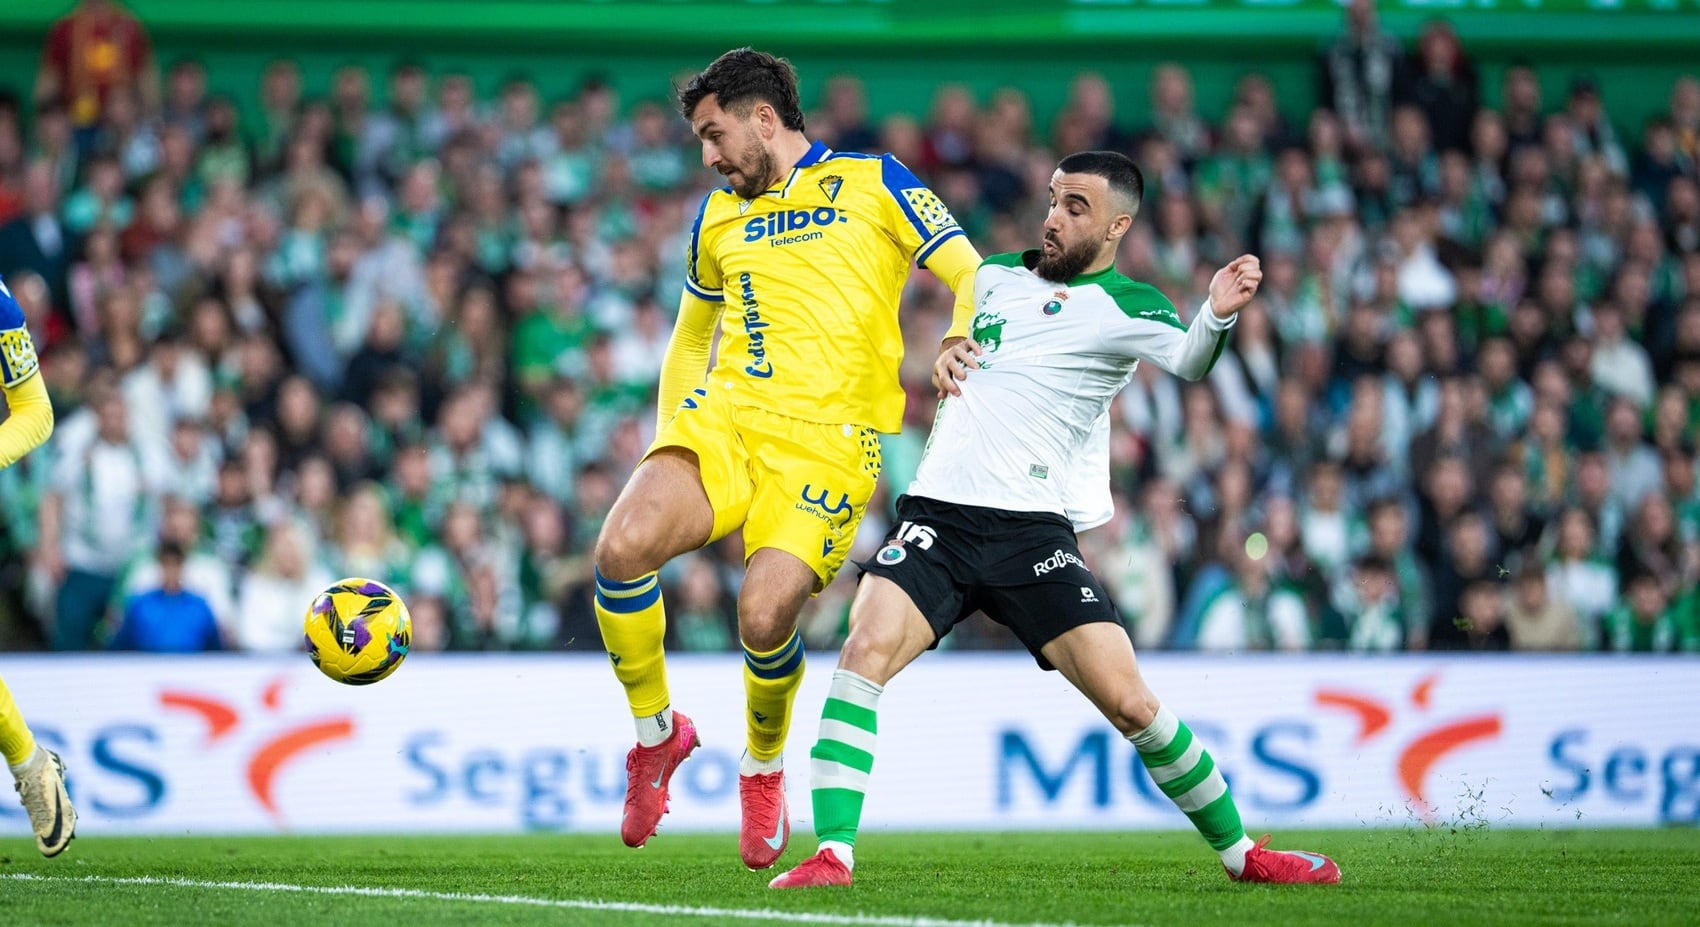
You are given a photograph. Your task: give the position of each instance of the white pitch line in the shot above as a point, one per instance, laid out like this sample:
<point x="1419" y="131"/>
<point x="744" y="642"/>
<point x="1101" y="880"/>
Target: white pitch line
<point x="581" y="904"/>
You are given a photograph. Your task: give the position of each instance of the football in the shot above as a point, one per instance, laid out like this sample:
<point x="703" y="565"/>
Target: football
<point x="358" y="631"/>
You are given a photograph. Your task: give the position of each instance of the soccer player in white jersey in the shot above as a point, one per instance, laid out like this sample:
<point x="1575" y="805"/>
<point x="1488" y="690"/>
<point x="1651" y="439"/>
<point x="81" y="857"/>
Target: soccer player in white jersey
<point x="1017" y="463"/>
<point x="39" y="772"/>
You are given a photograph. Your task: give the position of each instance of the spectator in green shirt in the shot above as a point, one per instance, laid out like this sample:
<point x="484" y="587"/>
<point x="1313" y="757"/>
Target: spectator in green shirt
<point x="1645" y="622"/>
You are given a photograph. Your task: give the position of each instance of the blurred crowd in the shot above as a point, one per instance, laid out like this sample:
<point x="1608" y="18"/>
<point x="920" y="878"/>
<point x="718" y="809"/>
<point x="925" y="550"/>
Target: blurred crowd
<point x="391" y="328"/>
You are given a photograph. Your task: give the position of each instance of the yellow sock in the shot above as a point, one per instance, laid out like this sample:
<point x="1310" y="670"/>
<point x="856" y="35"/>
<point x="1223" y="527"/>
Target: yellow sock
<point x="16" y="742"/>
<point x="770" y="686"/>
<point x="633" y="623"/>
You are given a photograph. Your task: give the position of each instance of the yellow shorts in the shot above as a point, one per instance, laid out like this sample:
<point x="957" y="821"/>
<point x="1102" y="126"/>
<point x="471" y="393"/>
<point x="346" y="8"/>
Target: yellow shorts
<point x="795" y="486"/>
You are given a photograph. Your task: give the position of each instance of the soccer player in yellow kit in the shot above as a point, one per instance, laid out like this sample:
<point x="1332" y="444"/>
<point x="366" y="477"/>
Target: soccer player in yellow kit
<point x="801" y="261"/>
<point x="39" y="772"/>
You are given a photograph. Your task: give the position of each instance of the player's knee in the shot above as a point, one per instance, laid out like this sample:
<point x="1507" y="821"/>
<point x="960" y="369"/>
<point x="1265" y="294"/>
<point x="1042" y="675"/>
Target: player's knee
<point x="870" y="649"/>
<point x="621" y="553"/>
<point x="764" y="625"/>
<point x="1134" y="711"/>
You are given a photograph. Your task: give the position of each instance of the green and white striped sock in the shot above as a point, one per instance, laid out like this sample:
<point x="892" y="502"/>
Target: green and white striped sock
<point x="843" y="758"/>
<point x="1183" y="769"/>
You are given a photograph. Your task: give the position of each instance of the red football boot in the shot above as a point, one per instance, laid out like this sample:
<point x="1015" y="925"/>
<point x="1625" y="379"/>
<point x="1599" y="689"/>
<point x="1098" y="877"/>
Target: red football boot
<point x="767" y="827"/>
<point x="821" y="870"/>
<point x="648" y="770"/>
<point x="1286" y="867"/>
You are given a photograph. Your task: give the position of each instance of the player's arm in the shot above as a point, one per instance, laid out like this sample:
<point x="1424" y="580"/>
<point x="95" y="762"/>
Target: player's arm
<point x="1191" y="353"/>
<point x="30" y="418"/>
<point x="922" y="223"/>
<point x="686" y="361"/>
<point x="958" y="353"/>
<point x="955" y="262"/>
<point x="29" y="423"/>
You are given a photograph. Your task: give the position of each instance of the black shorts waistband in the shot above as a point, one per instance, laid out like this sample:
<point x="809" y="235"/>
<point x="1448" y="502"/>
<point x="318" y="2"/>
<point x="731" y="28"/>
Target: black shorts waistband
<point x="992" y="520"/>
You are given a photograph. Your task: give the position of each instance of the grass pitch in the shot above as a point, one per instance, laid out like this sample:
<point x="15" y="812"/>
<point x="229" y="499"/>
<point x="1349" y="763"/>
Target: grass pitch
<point x="1407" y="876"/>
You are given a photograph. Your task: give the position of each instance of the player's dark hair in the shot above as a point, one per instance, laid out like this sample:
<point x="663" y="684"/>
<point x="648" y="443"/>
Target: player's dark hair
<point x="1118" y="169"/>
<point x="743" y="77"/>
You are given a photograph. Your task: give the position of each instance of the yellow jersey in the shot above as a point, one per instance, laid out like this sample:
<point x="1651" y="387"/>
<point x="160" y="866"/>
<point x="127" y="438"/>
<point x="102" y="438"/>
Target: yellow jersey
<point x="17" y="352"/>
<point x="29" y="420"/>
<point x="810" y="275"/>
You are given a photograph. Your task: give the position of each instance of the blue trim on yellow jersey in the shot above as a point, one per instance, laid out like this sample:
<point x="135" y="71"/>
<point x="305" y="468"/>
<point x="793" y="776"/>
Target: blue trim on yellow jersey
<point x="896" y="179"/>
<point x="692" y="251"/>
<point x="11" y="314"/>
<point x="715" y="297"/>
<point x="817" y="152"/>
<point x="17" y="353"/>
<point x="944" y="236"/>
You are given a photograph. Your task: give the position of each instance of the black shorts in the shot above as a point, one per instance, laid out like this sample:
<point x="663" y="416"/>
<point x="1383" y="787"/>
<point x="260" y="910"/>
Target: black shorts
<point x="1023" y="569"/>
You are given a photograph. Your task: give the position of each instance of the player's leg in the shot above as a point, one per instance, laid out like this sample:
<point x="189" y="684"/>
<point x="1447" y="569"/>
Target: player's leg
<point x="663" y="512"/>
<point x="1098" y="660"/>
<point x="17" y="744"/>
<point x="812" y="483"/>
<point x="907" y="600"/>
<point x="776" y="585"/>
<point x="887" y="633"/>
<point x="682" y="495"/>
<point x="40" y="776"/>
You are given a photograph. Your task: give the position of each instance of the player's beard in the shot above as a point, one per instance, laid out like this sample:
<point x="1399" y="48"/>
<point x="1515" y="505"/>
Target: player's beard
<point x="1064" y="264"/>
<point x="755" y="172"/>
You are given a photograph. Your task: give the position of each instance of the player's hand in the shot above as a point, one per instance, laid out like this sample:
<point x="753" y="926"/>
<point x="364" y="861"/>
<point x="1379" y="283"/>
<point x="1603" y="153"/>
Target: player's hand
<point x="1233" y="286"/>
<point x="958" y="357"/>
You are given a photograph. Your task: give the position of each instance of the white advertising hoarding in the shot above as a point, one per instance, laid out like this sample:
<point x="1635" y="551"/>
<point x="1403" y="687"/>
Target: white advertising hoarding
<point x="509" y="743"/>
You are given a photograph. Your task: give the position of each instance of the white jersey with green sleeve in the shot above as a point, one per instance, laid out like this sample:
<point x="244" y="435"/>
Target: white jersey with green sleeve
<point x="1030" y="431"/>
